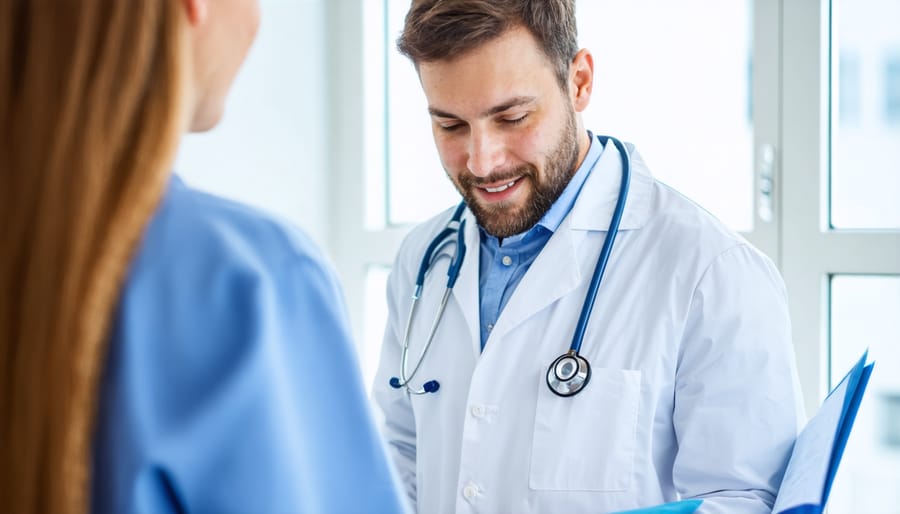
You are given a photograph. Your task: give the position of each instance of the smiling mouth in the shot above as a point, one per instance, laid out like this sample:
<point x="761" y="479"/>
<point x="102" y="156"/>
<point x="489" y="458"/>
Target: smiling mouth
<point x="502" y="188"/>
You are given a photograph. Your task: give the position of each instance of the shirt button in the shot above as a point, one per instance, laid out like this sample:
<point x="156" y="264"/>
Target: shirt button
<point x="507" y="260"/>
<point x="470" y="491"/>
<point x="478" y="411"/>
<point x="490" y="326"/>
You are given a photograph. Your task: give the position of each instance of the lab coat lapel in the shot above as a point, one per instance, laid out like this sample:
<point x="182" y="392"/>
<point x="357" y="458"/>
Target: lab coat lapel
<point x="465" y="292"/>
<point x="601" y="191"/>
<point x="566" y="262"/>
<point x="555" y="273"/>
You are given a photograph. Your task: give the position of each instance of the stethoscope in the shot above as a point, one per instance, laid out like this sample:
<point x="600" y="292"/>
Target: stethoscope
<point x="570" y="372"/>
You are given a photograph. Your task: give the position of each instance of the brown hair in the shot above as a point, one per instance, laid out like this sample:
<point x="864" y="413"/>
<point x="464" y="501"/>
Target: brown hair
<point x="91" y="96"/>
<point x="443" y="29"/>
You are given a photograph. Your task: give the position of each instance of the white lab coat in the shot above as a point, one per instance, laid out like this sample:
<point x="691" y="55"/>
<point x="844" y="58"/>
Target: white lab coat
<point x="694" y="390"/>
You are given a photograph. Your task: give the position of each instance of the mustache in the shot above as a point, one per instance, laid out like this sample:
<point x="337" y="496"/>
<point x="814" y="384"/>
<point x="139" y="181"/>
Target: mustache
<point x="468" y="179"/>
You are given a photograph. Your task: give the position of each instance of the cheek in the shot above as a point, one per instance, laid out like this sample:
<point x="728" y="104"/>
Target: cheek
<point x="240" y="29"/>
<point x="527" y="147"/>
<point x="452" y="152"/>
<point x="245" y="25"/>
<point x="252" y="20"/>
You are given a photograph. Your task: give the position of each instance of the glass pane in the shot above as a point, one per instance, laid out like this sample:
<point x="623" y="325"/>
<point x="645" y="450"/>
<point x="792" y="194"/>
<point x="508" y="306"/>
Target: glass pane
<point x="865" y="100"/>
<point x="417" y="184"/>
<point x="374" y="67"/>
<point x="690" y="117"/>
<point x="374" y="320"/>
<point x="679" y="90"/>
<point x="864" y="314"/>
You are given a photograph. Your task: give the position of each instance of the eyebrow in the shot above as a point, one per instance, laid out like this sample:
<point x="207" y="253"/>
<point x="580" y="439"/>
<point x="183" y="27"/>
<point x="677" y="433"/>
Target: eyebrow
<point x="509" y="104"/>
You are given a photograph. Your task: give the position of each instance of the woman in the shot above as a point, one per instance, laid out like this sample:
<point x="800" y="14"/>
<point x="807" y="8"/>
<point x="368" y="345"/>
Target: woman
<point x="161" y="350"/>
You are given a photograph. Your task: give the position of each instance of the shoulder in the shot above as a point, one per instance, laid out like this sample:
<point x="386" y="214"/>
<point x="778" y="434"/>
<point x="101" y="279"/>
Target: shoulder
<point x="687" y="229"/>
<point x="683" y="218"/>
<point x="678" y="237"/>
<point x="193" y="225"/>
<point x="207" y="263"/>
<point x="717" y="256"/>
<point x="198" y="240"/>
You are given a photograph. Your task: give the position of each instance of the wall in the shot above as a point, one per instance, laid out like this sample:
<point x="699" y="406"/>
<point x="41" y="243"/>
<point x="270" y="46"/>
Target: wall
<point x="271" y="149"/>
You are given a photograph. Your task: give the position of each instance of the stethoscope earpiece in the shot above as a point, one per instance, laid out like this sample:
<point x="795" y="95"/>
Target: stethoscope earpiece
<point x="568" y="374"/>
<point x="428" y="387"/>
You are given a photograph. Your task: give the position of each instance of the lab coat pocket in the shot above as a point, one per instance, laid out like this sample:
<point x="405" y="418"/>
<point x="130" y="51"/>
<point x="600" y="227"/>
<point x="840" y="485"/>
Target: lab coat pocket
<point x="587" y="442"/>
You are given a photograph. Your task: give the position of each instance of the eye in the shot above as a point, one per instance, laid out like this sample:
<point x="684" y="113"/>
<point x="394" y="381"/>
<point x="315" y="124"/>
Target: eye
<point x="449" y="125"/>
<point x="515" y="120"/>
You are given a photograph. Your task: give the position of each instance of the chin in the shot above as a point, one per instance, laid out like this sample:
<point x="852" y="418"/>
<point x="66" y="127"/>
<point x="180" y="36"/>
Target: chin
<point x="206" y="119"/>
<point x="205" y="124"/>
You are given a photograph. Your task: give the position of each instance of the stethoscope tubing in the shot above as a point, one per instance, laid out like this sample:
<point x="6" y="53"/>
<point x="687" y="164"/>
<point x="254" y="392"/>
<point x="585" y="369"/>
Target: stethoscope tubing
<point x="613" y="230"/>
<point x="404" y="379"/>
<point x="458" y="226"/>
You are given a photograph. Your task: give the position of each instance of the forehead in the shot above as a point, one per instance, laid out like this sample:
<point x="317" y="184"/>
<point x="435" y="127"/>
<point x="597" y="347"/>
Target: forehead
<point x="511" y="65"/>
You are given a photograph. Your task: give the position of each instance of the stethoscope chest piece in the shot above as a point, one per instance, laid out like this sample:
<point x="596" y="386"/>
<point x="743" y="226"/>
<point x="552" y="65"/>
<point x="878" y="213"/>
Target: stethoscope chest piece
<point x="568" y="374"/>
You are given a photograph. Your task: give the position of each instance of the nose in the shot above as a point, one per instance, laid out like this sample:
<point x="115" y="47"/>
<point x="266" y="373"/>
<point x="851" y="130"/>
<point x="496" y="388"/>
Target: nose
<point x="485" y="152"/>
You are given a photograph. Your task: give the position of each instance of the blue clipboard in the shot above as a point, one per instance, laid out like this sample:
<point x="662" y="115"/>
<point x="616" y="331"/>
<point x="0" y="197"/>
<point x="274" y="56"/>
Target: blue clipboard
<point x="819" y="447"/>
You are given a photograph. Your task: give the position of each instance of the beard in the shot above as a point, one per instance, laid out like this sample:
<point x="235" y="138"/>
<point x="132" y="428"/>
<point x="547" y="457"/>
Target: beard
<point x="504" y="219"/>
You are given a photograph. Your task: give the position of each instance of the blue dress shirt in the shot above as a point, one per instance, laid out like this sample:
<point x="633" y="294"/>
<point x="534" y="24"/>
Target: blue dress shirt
<point x="501" y="267"/>
<point x="231" y="383"/>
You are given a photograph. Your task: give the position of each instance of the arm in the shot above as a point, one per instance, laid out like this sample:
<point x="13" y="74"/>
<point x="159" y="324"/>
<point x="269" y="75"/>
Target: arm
<point x="737" y="399"/>
<point x="399" y="427"/>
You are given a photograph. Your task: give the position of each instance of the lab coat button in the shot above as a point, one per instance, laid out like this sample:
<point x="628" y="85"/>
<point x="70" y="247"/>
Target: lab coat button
<point x="507" y="260"/>
<point x="470" y="491"/>
<point x="478" y="411"/>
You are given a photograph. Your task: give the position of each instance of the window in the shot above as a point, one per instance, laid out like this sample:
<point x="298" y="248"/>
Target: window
<point x="840" y="248"/>
<point x="375" y="315"/>
<point x="865" y="154"/>
<point x="892" y="89"/>
<point x="864" y="315"/>
<point x="705" y="98"/>
<point x="849" y="89"/>
<point x="417" y="188"/>
<point x="682" y="101"/>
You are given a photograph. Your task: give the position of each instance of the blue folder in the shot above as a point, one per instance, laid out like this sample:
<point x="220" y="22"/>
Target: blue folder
<point x="820" y="446"/>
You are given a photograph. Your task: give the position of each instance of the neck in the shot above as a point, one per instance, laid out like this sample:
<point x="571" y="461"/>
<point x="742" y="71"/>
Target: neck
<point x="584" y="144"/>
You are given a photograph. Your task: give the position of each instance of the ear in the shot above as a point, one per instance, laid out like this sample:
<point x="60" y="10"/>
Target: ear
<point x="196" y="10"/>
<point x="581" y="79"/>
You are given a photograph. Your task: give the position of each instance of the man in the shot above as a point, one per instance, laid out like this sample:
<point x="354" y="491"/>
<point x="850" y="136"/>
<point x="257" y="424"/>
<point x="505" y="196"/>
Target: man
<point x="693" y="391"/>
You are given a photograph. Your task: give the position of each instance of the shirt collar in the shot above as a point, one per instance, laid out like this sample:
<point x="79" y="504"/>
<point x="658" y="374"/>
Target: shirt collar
<point x="563" y="205"/>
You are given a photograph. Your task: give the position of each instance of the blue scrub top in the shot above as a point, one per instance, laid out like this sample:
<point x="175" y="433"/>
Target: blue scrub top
<point x="231" y="382"/>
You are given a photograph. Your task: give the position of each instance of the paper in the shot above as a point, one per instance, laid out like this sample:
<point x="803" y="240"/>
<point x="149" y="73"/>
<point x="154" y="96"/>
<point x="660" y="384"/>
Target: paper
<point x="808" y="467"/>
<point x="682" y="507"/>
<point x="819" y="447"/>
